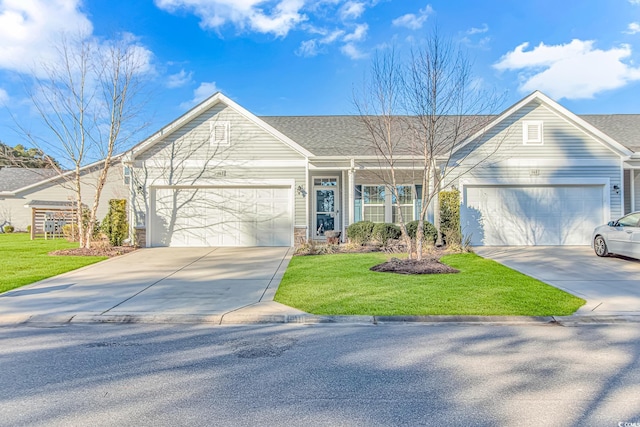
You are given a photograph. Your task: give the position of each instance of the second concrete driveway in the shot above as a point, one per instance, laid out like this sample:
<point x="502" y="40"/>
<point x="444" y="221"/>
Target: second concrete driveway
<point x="611" y="286"/>
<point x="161" y="282"/>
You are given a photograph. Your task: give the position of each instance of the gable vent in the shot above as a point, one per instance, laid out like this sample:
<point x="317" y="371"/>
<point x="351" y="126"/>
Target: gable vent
<point x="532" y="132"/>
<point x="219" y="133"/>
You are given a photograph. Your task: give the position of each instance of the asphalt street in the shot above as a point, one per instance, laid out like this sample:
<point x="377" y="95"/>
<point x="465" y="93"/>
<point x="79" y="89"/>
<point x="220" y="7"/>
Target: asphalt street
<point x="319" y="375"/>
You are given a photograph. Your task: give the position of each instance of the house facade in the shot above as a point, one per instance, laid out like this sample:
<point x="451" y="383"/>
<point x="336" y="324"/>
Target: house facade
<point x="27" y="196"/>
<point x="221" y="176"/>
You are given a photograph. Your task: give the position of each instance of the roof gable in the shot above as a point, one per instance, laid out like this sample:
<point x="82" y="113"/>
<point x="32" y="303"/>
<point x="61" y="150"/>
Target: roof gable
<point x="204" y="106"/>
<point x="600" y="136"/>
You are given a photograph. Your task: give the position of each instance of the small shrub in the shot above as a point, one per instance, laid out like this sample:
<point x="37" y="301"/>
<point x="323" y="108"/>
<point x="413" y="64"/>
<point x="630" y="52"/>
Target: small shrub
<point x="430" y="232"/>
<point x="456" y="242"/>
<point x="115" y="225"/>
<point x="29" y="229"/>
<point x="9" y="229"/>
<point x="70" y="232"/>
<point x="360" y="232"/>
<point x="311" y="247"/>
<point x="449" y="211"/>
<point x="383" y="232"/>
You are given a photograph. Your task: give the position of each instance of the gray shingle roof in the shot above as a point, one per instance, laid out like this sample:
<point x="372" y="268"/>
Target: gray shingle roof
<point x="624" y="128"/>
<point x="14" y="178"/>
<point x="345" y="135"/>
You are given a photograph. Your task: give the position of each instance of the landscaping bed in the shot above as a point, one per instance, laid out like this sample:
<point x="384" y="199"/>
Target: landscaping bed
<point x="103" y="251"/>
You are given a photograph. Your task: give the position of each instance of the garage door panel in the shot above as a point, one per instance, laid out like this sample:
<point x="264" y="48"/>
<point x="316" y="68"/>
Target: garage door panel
<point x="222" y="217"/>
<point x="525" y="215"/>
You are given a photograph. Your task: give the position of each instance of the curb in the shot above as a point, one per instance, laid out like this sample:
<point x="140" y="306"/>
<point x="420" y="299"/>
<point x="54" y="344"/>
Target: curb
<point x="311" y="319"/>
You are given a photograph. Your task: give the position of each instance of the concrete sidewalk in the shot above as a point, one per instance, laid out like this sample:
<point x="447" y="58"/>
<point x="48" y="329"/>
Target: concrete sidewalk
<point x="611" y="285"/>
<point x="158" y="283"/>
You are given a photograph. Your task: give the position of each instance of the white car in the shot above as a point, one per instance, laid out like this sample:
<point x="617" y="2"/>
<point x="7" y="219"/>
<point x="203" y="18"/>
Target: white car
<point x="621" y="237"/>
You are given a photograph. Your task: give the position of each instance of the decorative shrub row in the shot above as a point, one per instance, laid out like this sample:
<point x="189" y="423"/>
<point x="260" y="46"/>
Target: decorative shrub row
<point x="360" y="232"/>
<point x="430" y="232"/>
<point x="364" y="232"/>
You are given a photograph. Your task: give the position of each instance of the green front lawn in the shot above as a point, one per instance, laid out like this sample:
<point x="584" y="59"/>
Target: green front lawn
<point x="24" y="261"/>
<point x="343" y="284"/>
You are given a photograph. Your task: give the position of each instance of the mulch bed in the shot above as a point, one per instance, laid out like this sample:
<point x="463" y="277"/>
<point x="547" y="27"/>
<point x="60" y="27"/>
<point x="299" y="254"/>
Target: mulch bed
<point x="100" y="251"/>
<point x="411" y="266"/>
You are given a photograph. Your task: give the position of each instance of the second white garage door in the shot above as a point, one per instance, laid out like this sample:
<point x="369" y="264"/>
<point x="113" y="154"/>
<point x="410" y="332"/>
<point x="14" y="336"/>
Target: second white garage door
<point x="204" y="216"/>
<point x="528" y="215"/>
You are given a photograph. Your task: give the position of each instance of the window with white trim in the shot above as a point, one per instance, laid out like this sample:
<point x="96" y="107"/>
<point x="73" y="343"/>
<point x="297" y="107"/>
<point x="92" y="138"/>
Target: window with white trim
<point x="376" y="204"/>
<point x="219" y="132"/>
<point x="405" y="197"/>
<point x="373" y="203"/>
<point x="532" y="132"/>
<point x="126" y="175"/>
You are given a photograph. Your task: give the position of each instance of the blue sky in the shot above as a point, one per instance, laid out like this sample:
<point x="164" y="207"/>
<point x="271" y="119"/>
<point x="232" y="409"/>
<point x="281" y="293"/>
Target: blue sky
<point x="303" y="57"/>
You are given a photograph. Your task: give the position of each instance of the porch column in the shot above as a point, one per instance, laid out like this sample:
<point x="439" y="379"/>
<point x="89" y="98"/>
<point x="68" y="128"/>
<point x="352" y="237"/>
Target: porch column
<point x="351" y="191"/>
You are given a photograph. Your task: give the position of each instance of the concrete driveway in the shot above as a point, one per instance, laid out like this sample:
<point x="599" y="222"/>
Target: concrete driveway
<point x="161" y="282"/>
<point x="611" y="286"/>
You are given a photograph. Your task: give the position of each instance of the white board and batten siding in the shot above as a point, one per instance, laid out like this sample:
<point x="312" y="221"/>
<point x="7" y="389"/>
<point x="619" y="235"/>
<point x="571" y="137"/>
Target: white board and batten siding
<point x="236" y="194"/>
<point x="554" y="193"/>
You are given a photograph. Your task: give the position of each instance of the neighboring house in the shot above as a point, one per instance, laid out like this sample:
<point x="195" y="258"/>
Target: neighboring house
<point x="221" y="176"/>
<point x="27" y="195"/>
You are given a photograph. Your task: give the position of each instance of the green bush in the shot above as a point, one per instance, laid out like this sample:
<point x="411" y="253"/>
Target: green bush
<point x="383" y="232"/>
<point x="115" y="224"/>
<point x="9" y="229"/>
<point x="429" y="231"/>
<point x="450" y="211"/>
<point x="28" y="229"/>
<point x="360" y="232"/>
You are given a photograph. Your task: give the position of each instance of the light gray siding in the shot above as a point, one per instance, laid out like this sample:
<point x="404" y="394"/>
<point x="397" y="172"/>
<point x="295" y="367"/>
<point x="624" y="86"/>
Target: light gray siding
<point x="248" y="141"/>
<point x="567" y="152"/>
<point x="13" y="210"/>
<point x="187" y="157"/>
<point x="561" y="139"/>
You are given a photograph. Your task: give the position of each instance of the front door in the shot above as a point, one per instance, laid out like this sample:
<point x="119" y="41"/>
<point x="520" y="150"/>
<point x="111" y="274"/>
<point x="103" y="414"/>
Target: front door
<point x="326" y="205"/>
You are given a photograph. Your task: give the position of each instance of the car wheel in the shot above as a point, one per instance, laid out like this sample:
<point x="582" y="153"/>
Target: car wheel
<point x="600" y="246"/>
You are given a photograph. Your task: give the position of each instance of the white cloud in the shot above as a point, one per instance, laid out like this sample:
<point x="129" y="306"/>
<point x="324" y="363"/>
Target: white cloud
<point x="332" y="36"/>
<point x="358" y="34"/>
<point x="634" y="1"/>
<point x="352" y="10"/>
<point x="308" y="48"/>
<point x="352" y="51"/>
<point x="4" y="96"/>
<point x="202" y="92"/>
<point x="31" y="32"/>
<point x="575" y="70"/>
<point x="28" y="27"/>
<point x="277" y="20"/>
<point x="480" y="30"/>
<point x="179" y="79"/>
<point x="633" y="28"/>
<point x="413" y="21"/>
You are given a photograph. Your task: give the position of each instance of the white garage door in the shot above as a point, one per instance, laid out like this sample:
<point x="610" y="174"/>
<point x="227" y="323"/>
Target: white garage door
<point x="525" y="215"/>
<point x="239" y="216"/>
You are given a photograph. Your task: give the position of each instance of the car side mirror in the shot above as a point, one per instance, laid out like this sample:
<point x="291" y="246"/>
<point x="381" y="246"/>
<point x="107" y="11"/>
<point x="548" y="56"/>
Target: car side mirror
<point x="612" y="223"/>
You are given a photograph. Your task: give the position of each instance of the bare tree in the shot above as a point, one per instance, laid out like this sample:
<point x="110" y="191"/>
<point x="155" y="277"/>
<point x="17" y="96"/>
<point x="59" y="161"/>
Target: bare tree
<point x="429" y="107"/>
<point x="378" y="106"/>
<point x="89" y="103"/>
